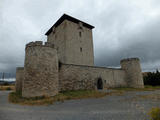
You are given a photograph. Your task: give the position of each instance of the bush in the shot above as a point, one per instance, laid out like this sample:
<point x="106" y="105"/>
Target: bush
<point x="6" y="83"/>
<point x="155" y="114"/>
<point x="152" y="78"/>
<point x="8" y="88"/>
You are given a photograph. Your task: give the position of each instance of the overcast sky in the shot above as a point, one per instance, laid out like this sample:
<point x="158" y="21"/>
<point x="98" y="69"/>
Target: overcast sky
<point x="123" y="28"/>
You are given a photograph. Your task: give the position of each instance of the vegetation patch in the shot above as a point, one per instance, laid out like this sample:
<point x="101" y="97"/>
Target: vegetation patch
<point x="7" y="87"/>
<point x="44" y="100"/>
<point x="155" y="114"/>
<point x="152" y="78"/>
<point x="153" y="96"/>
<point x="146" y="88"/>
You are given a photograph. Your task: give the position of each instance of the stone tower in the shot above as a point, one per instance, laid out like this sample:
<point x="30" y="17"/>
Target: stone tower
<point x="40" y="70"/>
<point x="133" y="72"/>
<point x="73" y="40"/>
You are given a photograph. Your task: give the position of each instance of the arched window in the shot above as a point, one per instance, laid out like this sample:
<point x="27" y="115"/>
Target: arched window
<point x="99" y="83"/>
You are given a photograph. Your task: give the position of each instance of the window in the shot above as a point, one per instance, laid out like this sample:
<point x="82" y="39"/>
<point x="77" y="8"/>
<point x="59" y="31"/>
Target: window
<point x="80" y="49"/>
<point x="80" y="34"/>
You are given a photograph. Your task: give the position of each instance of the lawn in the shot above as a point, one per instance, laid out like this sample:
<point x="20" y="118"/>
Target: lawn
<point x="44" y="100"/>
<point x="7" y="87"/>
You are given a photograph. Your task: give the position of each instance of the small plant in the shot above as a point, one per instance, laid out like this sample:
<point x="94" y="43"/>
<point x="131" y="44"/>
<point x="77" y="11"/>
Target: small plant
<point x="155" y="114"/>
<point x="6" y="84"/>
<point x="8" y="88"/>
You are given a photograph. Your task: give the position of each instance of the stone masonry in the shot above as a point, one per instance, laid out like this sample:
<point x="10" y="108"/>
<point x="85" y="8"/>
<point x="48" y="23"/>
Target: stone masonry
<point x="19" y="78"/>
<point x="41" y="62"/>
<point x="66" y="62"/>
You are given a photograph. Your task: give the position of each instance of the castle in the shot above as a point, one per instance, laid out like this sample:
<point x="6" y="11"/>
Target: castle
<point x="66" y="62"/>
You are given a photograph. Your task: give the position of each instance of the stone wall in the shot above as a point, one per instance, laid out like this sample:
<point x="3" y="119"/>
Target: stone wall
<point x="133" y="71"/>
<point x="19" y="78"/>
<point x="79" y="44"/>
<point x="74" y="43"/>
<point x="75" y="77"/>
<point x="41" y="70"/>
<point x="58" y="38"/>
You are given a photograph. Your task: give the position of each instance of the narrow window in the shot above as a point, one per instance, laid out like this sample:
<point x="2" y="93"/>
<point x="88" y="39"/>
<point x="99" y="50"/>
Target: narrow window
<point x="80" y="34"/>
<point x="80" y="49"/>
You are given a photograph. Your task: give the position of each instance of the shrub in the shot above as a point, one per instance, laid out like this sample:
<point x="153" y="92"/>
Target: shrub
<point x="152" y="78"/>
<point x="8" y="88"/>
<point x="155" y="114"/>
<point x="6" y="83"/>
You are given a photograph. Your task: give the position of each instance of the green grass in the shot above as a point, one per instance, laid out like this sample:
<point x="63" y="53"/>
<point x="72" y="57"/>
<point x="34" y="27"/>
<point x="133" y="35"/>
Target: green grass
<point x="68" y="95"/>
<point x="7" y="87"/>
<point x="44" y="100"/>
<point x="155" y="114"/>
<point x="146" y="88"/>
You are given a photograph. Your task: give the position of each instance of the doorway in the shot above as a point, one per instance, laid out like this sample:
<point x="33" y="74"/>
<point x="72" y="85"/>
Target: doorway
<point x="99" y="84"/>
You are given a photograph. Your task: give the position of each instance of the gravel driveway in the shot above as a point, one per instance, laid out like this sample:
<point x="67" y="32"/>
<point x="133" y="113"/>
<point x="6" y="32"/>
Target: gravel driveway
<point x="124" y="107"/>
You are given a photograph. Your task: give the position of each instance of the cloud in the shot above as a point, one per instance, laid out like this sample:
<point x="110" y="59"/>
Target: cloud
<point x="122" y="28"/>
<point x="143" y="43"/>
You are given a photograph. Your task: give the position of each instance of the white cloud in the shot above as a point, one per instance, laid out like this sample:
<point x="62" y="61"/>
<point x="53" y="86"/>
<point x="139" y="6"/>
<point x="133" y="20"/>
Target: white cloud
<point x="119" y="26"/>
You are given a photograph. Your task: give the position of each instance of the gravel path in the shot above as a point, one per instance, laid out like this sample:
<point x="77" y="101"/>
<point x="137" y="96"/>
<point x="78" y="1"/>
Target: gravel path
<point x="123" y="107"/>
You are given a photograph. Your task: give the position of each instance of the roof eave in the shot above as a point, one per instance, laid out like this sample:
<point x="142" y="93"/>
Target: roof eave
<point x="63" y="17"/>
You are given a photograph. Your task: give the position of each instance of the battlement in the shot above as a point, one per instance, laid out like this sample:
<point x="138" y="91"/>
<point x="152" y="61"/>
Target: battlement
<point x="40" y="43"/>
<point x="129" y="59"/>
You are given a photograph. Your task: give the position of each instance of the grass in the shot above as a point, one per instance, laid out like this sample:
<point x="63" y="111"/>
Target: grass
<point x="155" y="114"/>
<point x="68" y="95"/>
<point x="7" y="87"/>
<point x="44" y="100"/>
<point x="146" y="88"/>
<point x="153" y="96"/>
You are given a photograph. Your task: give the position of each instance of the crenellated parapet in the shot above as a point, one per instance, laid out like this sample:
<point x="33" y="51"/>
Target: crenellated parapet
<point x="39" y="44"/>
<point x="41" y="70"/>
<point x="130" y="59"/>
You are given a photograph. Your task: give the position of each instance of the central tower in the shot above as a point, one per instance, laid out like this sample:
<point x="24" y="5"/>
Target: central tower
<point x="73" y="40"/>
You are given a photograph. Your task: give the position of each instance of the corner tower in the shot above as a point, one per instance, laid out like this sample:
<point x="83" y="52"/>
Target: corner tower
<point x="40" y="70"/>
<point x="133" y="71"/>
<point x="73" y="40"/>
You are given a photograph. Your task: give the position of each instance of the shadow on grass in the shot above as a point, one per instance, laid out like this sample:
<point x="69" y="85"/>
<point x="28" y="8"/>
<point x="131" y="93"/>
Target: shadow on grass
<point x="16" y="97"/>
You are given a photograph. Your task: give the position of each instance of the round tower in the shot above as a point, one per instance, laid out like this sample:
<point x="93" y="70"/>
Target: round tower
<point x="133" y="72"/>
<point x="40" y="70"/>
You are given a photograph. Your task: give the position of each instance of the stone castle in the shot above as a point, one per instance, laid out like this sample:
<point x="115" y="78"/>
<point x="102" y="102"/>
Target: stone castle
<point x="66" y="62"/>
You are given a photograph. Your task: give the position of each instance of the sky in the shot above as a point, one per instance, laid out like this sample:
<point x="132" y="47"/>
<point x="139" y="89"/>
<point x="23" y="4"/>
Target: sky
<point x="123" y="29"/>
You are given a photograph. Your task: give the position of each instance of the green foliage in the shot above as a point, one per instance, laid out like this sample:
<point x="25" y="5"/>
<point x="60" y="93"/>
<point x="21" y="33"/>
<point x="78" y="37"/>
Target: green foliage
<point x="45" y="100"/>
<point x="155" y="114"/>
<point x="8" y="88"/>
<point x="5" y="83"/>
<point x="146" y="88"/>
<point x="152" y="78"/>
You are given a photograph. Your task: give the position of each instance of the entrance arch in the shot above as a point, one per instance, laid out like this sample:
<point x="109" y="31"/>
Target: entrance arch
<point x="99" y="84"/>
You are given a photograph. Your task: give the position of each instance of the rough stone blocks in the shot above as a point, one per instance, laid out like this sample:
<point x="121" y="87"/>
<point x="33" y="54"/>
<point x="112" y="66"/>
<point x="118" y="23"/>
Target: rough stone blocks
<point x="41" y="70"/>
<point x="19" y="78"/>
